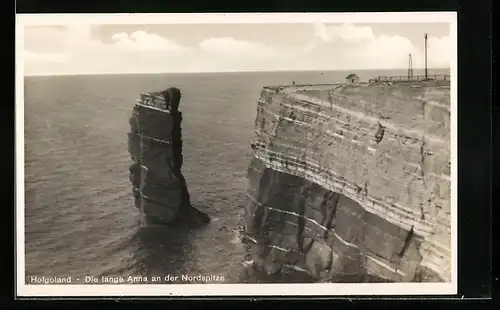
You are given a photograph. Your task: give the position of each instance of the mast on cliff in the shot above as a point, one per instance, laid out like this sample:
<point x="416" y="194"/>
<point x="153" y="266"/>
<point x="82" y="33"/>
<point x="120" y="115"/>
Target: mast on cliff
<point x="410" y="68"/>
<point x="425" y="56"/>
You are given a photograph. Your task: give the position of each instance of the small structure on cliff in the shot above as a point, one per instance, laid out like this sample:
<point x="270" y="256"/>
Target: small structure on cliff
<point x="155" y="146"/>
<point x="352" y="79"/>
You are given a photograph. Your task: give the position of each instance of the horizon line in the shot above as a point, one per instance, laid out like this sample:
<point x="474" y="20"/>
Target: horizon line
<point x="221" y="72"/>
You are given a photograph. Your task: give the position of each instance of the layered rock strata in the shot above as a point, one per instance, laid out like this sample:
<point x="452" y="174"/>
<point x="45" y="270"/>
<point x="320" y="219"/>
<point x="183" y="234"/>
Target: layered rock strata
<point x="155" y="146"/>
<point x="352" y="182"/>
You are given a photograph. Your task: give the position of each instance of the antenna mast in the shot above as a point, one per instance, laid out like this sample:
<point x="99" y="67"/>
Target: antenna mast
<point x="425" y="56"/>
<point x="410" y="68"/>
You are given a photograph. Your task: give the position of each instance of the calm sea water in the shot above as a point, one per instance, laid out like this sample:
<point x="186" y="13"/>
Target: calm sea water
<point x="79" y="214"/>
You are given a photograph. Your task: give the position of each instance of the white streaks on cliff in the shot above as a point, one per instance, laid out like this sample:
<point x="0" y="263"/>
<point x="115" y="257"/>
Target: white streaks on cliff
<point x="139" y="103"/>
<point x="306" y="218"/>
<point x="151" y="138"/>
<point x="300" y="102"/>
<point x="382" y="264"/>
<point x="343" y="149"/>
<point x="395" y="214"/>
<point x="367" y="255"/>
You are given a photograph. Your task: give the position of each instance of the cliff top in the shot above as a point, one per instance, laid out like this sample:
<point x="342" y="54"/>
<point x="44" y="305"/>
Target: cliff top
<point x="444" y="84"/>
<point x="164" y="101"/>
<point x="418" y="107"/>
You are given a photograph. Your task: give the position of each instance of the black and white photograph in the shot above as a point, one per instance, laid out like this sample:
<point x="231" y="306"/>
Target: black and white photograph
<point x="236" y="154"/>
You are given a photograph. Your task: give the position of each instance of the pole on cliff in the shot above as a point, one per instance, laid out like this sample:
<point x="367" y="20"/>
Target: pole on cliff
<point x="410" y="68"/>
<point x="425" y="56"/>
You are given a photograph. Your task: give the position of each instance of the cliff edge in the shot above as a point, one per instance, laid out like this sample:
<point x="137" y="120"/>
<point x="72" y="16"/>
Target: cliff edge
<point x="351" y="183"/>
<point x="155" y="146"/>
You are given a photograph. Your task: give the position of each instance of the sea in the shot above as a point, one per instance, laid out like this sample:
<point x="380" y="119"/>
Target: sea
<point x="80" y="219"/>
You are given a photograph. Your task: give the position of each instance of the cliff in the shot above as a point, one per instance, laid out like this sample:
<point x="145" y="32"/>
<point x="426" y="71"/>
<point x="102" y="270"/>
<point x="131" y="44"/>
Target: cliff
<point x="155" y="146"/>
<point x="351" y="183"/>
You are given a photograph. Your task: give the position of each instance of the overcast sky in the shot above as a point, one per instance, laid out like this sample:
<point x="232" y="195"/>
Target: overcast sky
<point x="85" y="49"/>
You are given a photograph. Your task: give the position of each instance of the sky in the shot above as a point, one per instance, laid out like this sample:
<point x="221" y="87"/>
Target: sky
<point x="185" y="48"/>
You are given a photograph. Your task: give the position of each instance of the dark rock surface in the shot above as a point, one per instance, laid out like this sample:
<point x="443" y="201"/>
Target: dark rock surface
<point x="155" y="145"/>
<point x="296" y="222"/>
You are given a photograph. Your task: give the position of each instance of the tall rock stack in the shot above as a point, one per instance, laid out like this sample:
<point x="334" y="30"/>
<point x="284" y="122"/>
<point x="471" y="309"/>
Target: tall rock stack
<point x="155" y="146"/>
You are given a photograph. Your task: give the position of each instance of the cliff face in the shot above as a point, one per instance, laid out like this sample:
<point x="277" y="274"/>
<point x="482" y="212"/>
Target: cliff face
<point x="155" y="146"/>
<point x="352" y="183"/>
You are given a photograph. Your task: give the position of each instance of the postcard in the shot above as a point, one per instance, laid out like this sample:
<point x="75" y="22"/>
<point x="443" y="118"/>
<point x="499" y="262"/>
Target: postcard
<point x="236" y="154"/>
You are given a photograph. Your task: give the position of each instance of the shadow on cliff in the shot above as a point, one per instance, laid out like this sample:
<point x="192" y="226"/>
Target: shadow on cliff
<point x="353" y="271"/>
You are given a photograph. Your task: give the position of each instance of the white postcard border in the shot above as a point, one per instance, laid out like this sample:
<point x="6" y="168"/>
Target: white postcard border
<point x="317" y="289"/>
